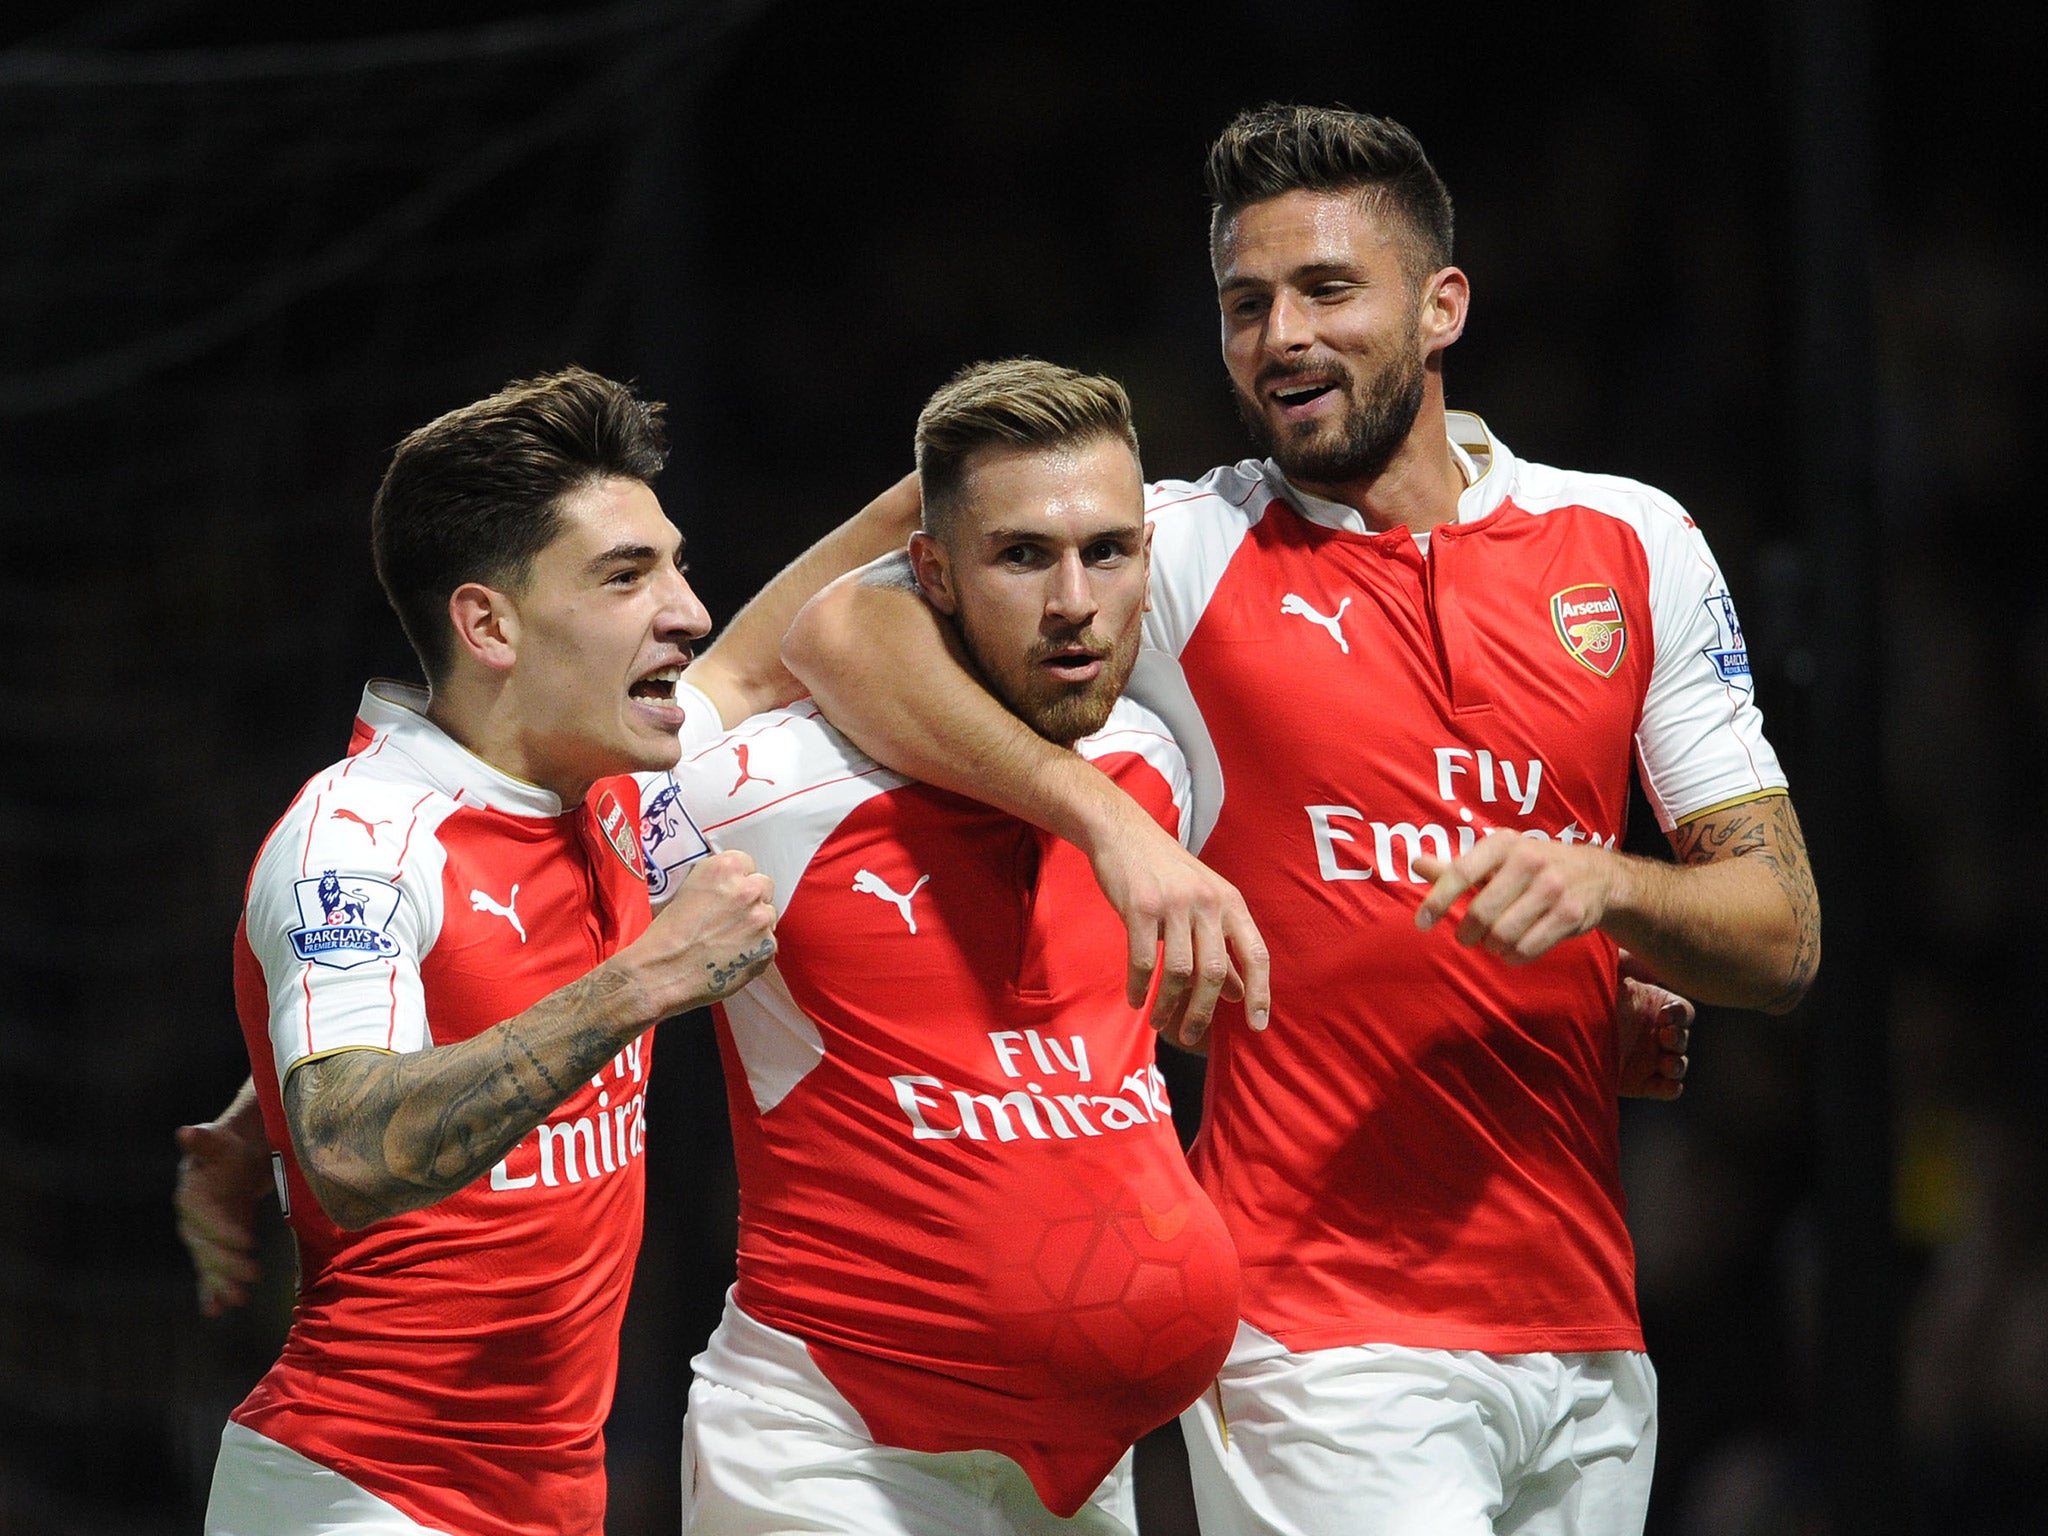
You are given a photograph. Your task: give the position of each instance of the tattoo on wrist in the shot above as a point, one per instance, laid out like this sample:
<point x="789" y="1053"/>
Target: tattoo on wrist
<point x="723" y="976"/>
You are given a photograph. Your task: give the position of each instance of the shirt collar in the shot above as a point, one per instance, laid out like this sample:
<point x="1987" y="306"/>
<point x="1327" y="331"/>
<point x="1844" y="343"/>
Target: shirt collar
<point x="396" y="715"/>
<point x="1482" y="458"/>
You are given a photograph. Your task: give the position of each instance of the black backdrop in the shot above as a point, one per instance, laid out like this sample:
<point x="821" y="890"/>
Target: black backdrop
<point x="1773" y="259"/>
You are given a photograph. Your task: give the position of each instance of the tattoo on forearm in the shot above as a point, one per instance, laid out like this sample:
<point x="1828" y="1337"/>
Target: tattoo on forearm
<point x="380" y="1134"/>
<point x="1767" y="830"/>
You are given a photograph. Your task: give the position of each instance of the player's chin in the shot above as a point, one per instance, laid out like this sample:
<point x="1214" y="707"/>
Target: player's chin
<point x="651" y="746"/>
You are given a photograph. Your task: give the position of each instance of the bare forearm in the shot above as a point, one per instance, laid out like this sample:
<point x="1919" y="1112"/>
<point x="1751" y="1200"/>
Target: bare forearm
<point x="854" y="647"/>
<point x="743" y="671"/>
<point x="379" y="1134"/>
<point x="1737" y="921"/>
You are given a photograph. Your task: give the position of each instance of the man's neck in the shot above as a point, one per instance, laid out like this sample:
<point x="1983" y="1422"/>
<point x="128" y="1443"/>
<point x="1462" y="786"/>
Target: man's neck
<point x="483" y="721"/>
<point x="1418" y="489"/>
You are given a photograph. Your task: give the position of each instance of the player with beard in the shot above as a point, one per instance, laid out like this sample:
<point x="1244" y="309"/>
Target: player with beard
<point x="973" y="1264"/>
<point x="1419" y="667"/>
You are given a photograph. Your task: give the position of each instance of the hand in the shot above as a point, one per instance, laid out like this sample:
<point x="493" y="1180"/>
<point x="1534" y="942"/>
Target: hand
<point x="716" y="934"/>
<point x="1653" y="1032"/>
<point x="220" y="1176"/>
<point x="1531" y="893"/>
<point x="1186" y="923"/>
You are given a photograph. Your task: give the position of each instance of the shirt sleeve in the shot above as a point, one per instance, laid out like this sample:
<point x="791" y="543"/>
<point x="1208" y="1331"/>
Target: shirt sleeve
<point x="344" y="904"/>
<point x="1701" y="740"/>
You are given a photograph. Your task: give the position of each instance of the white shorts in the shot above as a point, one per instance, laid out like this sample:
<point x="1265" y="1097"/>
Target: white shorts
<point x="261" y="1488"/>
<point x="770" y="1446"/>
<point x="1422" y="1442"/>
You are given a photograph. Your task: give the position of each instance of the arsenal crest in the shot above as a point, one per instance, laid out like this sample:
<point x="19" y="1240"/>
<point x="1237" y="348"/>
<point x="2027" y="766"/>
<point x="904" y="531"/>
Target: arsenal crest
<point x="620" y="831"/>
<point x="1590" y="626"/>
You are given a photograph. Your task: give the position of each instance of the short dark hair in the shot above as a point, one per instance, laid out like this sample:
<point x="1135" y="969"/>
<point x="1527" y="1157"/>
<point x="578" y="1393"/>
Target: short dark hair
<point x="474" y="495"/>
<point x="1019" y="402"/>
<point x="1277" y="149"/>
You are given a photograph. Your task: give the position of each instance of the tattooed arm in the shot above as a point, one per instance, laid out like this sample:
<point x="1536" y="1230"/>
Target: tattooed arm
<point x="1736" y="922"/>
<point x="377" y="1134"/>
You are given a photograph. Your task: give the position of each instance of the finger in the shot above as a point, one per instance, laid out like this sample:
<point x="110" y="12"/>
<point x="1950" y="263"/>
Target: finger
<point x="1543" y="935"/>
<point x="1143" y="935"/>
<point x="1447" y="883"/>
<point x="1450" y="881"/>
<point x="1496" y="893"/>
<point x="1676" y="1010"/>
<point x="1254" y="964"/>
<point x="1212" y="969"/>
<point x="1176" y="981"/>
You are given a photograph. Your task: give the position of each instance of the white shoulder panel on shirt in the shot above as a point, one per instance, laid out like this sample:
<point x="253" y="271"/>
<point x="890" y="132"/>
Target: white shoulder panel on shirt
<point x="1701" y="742"/>
<point x="1197" y="526"/>
<point x="1134" y="727"/>
<point x="775" y="787"/>
<point x="344" y="903"/>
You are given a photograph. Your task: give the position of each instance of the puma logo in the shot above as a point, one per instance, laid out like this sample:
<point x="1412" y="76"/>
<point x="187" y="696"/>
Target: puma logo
<point x="1294" y="604"/>
<point x="747" y="775"/>
<point x="868" y="883"/>
<point x="368" y="826"/>
<point x="480" y="902"/>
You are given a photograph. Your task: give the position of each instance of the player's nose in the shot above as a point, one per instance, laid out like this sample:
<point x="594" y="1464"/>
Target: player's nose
<point x="682" y="616"/>
<point x="1068" y="596"/>
<point x="1288" y="328"/>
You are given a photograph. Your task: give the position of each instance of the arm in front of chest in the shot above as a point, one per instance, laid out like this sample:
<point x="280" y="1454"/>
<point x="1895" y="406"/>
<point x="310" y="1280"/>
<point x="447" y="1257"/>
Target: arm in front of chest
<point x="1735" y="922"/>
<point x="378" y="1133"/>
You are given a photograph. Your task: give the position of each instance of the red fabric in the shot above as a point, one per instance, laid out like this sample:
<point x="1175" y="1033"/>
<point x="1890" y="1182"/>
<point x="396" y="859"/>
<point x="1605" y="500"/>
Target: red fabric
<point x="458" y="1361"/>
<point x="1051" y="1296"/>
<point x="1421" y="1150"/>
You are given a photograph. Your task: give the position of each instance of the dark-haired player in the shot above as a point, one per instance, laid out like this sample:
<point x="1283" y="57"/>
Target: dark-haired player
<point x="446" y="973"/>
<point x="1424" y="665"/>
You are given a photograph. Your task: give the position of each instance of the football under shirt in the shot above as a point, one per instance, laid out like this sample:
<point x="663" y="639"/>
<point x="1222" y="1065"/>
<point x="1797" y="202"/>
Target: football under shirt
<point x="959" y="1180"/>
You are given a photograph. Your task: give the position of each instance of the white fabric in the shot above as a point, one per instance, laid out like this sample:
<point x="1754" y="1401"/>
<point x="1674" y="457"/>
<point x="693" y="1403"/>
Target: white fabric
<point x="770" y="1447"/>
<point x="261" y="1488"/>
<point x="1422" y="1442"/>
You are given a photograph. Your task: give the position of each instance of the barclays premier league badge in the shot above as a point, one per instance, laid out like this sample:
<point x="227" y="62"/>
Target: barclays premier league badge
<point x="345" y="920"/>
<point x="668" y="838"/>
<point x="1730" y="652"/>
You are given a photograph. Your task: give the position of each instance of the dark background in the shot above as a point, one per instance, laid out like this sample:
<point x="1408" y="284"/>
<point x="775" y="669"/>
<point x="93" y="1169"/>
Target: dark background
<point x="1781" y="261"/>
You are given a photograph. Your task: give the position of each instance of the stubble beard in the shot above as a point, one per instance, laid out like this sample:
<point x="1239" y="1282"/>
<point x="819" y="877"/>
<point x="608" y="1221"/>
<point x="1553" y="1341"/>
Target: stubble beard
<point x="1377" y="421"/>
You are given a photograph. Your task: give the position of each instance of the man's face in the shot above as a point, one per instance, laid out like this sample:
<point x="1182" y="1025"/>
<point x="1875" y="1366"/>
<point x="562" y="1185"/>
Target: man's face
<point x="603" y="630"/>
<point x="1322" y="334"/>
<point x="1044" y="571"/>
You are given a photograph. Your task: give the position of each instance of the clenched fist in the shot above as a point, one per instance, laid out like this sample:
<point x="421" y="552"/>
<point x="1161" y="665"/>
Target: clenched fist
<point x="716" y="934"/>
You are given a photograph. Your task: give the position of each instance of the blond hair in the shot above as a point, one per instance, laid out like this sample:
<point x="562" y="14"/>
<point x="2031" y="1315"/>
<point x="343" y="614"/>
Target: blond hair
<point x="1019" y="402"/>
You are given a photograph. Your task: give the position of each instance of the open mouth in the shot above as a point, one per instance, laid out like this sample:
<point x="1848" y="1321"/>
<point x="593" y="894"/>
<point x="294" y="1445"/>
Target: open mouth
<point x="658" y="686"/>
<point x="1073" y="665"/>
<point x="1294" y="396"/>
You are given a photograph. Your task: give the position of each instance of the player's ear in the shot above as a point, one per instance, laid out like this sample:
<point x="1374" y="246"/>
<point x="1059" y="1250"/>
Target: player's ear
<point x="486" y="625"/>
<point x="1445" y="295"/>
<point x="1148" y="568"/>
<point x="934" y="572"/>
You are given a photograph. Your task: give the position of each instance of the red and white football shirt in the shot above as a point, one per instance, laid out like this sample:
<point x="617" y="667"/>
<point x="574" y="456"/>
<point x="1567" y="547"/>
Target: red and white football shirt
<point x="456" y="1361"/>
<point x="959" y="1180"/>
<point x="1421" y="1150"/>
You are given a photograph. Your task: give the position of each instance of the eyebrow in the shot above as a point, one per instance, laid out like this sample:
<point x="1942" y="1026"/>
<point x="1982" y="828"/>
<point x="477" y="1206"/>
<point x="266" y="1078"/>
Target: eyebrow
<point x="627" y="552"/>
<point x="1308" y="272"/>
<point x="996" y="537"/>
